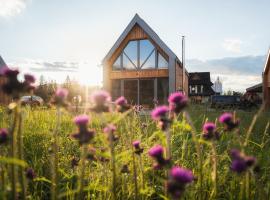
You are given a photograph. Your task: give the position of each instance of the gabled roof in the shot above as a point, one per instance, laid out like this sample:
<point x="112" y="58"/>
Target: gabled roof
<point x="149" y="31"/>
<point x="2" y="62"/>
<point x="255" y="88"/>
<point x="267" y="62"/>
<point x="199" y="78"/>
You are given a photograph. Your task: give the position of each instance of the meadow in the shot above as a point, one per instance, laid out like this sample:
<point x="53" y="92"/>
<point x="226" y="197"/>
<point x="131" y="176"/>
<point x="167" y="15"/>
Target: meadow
<point x="131" y="175"/>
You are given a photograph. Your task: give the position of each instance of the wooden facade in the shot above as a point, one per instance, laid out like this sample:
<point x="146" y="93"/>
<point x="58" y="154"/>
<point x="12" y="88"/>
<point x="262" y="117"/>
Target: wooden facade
<point x="162" y="75"/>
<point x="266" y="82"/>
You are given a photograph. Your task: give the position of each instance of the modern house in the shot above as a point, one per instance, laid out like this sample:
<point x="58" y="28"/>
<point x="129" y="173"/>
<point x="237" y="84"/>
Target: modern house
<point x="141" y="67"/>
<point x="4" y="99"/>
<point x="266" y="82"/>
<point x="200" y="87"/>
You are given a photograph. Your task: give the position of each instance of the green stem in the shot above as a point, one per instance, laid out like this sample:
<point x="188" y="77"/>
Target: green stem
<point x="214" y="173"/>
<point x="13" y="150"/>
<point x="142" y="174"/>
<point x="199" y="154"/>
<point x="135" y="176"/>
<point x="21" y="157"/>
<point x="55" y="157"/>
<point x="83" y="165"/>
<point x="113" y="169"/>
<point x="247" y="178"/>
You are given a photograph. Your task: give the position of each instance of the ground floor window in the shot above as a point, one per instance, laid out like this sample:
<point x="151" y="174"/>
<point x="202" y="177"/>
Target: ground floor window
<point x="142" y="91"/>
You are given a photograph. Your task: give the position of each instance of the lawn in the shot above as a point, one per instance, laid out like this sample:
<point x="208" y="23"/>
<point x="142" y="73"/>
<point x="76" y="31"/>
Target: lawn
<point x="134" y="176"/>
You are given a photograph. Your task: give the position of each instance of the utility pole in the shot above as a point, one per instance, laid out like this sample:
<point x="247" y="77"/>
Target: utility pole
<point x="183" y="63"/>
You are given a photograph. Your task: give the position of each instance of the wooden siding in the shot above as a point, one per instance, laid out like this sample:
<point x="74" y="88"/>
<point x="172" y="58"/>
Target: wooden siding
<point x="139" y="74"/>
<point x="266" y="85"/>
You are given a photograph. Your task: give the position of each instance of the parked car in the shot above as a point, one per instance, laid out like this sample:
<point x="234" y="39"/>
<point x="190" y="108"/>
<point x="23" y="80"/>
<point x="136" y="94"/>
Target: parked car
<point x="32" y="100"/>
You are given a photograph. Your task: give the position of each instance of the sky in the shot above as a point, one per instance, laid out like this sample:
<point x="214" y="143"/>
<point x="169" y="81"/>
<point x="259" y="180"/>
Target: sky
<point x="57" y="38"/>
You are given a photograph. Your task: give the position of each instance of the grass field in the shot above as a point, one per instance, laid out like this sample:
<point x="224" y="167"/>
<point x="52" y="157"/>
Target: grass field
<point x="38" y="131"/>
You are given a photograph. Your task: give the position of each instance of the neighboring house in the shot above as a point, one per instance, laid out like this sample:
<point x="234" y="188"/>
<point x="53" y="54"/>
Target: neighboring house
<point x="266" y="82"/>
<point x="4" y="99"/>
<point x="141" y="67"/>
<point x="200" y="87"/>
<point x="256" y="89"/>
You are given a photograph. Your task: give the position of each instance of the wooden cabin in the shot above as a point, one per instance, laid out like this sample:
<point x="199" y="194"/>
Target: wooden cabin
<point x="200" y="87"/>
<point x="266" y="82"/>
<point x="4" y="99"/>
<point x="141" y="67"/>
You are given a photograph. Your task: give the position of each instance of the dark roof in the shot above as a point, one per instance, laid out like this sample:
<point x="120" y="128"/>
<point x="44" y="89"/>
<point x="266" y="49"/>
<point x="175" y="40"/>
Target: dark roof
<point x="255" y="88"/>
<point x="199" y="78"/>
<point x="2" y="62"/>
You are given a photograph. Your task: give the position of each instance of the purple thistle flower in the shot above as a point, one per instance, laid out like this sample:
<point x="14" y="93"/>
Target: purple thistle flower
<point x="156" y="151"/>
<point x="181" y="175"/>
<point x="3" y="135"/>
<point x="121" y="104"/>
<point x="136" y="144"/>
<point x="75" y="162"/>
<point x="29" y="78"/>
<point x="159" y="112"/>
<point x="84" y="136"/>
<point x="238" y="165"/>
<point x="30" y="174"/>
<point x="110" y="128"/>
<point x="209" y="131"/>
<point x="225" y="118"/>
<point x="138" y="149"/>
<point x="121" y="101"/>
<point x="177" y="101"/>
<point x="100" y="97"/>
<point x="10" y="72"/>
<point x="61" y="93"/>
<point x="100" y="100"/>
<point x="81" y="120"/>
<point x="241" y="162"/>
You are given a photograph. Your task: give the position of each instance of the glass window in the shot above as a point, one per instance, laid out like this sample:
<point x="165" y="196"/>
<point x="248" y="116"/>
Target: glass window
<point x="116" y="89"/>
<point x="127" y="64"/>
<point x="162" y="62"/>
<point x="131" y="91"/>
<point x="117" y="63"/>
<point x="146" y="92"/>
<point x="131" y="51"/>
<point x="150" y="63"/>
<point x="162" y="90"/>
<point x="146" y="48"/>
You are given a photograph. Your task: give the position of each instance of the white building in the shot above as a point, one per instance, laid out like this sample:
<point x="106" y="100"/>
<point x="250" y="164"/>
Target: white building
<point x="217" y="87"/>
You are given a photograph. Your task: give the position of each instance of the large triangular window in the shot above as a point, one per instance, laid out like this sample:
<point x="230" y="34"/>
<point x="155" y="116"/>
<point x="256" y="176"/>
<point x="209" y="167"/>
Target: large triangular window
<point x="162" y="62"/>
<point x="140" y="54"/>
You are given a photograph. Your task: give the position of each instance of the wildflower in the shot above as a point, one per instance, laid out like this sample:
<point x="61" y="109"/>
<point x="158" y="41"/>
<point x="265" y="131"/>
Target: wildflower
<point x="12" y="87"/>
<point x="60" y="97"/>
<point x="227" y="120"/>
<point x="156" y="152"/>
<point x="160" y="115"/>
<point x="3" y="136"/>
<point x="241" y="162"/>
<point x="177" y="102"/>
<point x="121" y="104"/>
<point x="110" y="131"/>
<point x="29" y="78"/>
<point x="209" y="131"/>
<point x="136" y="145"/>
<point x="178" y="179"/>
<point x="100" y="100"/>
<point x="30" y="174"/>
<point x="84" y="135"/>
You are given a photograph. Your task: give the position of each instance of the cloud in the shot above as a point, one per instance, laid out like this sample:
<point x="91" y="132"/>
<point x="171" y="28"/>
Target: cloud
<point x="42" y="66"/>
<point x="232" y="45"/>
<point x="236" y="73"/>
<point x="10" y="8"/>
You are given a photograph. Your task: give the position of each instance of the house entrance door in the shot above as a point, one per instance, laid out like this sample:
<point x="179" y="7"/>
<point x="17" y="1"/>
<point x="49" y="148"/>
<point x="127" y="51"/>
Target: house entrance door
<point x="139" y="91"/>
